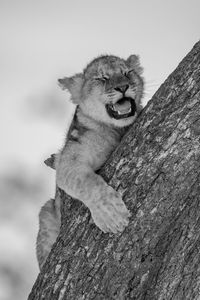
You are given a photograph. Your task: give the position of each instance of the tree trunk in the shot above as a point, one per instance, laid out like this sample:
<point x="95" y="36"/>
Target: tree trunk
<point x="157" y="169"/>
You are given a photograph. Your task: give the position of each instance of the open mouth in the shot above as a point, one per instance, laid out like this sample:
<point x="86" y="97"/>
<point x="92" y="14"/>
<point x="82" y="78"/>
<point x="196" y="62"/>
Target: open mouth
<point x="123" y="108"/>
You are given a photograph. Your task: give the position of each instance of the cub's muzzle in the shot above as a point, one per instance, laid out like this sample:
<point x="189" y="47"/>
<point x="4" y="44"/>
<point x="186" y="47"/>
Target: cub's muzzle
<point x="123" y="108"/>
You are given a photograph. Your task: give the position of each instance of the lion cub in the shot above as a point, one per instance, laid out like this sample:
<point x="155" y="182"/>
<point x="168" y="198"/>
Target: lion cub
<point x="108" y="97"/>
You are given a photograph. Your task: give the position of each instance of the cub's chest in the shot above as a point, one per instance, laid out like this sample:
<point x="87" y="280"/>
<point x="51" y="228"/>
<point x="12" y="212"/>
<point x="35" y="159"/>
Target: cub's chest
<point x="97" y="147"/>
<point x="94" y="147"/>
<point x="91" y="142"/>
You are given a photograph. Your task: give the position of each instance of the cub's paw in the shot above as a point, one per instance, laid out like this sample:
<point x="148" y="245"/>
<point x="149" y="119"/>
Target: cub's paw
<point x="109" y="212"/>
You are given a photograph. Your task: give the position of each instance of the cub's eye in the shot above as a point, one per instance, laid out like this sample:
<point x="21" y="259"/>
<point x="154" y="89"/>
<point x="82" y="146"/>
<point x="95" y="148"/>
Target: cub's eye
<point x="127" y="74"/>
<point x="102" y="79"/>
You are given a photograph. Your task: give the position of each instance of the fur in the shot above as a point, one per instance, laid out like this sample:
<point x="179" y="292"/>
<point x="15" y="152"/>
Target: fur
<point x="108" y="97"/>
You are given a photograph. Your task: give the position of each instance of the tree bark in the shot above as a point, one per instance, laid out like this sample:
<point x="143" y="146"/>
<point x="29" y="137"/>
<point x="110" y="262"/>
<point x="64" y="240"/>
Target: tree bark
<point x="157" y="169"/>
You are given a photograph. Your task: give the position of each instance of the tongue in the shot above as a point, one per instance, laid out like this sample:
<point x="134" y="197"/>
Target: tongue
<point x="123" y="108"/>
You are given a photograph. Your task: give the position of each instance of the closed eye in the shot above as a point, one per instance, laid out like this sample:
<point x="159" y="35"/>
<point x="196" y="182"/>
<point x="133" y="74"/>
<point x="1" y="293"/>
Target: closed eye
<point x="127" y="73"/>
<point x="102" y="79"/>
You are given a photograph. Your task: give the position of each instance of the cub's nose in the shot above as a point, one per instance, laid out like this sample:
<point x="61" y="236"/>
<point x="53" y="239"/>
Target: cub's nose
<point x="122" y="88"/>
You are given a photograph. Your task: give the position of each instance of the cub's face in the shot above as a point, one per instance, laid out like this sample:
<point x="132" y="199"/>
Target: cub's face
<point x="109" y="90"/>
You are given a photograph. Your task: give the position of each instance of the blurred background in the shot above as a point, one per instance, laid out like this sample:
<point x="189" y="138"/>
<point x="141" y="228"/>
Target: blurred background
<point x="41" y="41"/>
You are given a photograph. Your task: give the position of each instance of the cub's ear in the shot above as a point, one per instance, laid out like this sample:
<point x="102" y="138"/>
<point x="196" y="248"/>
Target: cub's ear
<point x="73" y="85"/>
<point x="133" y="61"/>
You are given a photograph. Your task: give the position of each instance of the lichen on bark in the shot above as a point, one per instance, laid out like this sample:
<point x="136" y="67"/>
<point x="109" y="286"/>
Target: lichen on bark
<point x="156" y="168"/>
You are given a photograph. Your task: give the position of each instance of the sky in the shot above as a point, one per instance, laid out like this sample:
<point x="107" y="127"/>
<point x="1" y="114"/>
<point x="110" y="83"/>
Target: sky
<point x="44" y="40"/>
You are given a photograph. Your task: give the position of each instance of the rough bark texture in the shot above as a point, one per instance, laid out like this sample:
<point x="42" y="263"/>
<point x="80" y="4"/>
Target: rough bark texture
<point x="157" y="168"/>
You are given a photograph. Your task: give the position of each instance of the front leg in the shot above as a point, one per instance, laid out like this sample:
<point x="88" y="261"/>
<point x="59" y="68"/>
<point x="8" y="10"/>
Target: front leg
<point x="106" y="205"/>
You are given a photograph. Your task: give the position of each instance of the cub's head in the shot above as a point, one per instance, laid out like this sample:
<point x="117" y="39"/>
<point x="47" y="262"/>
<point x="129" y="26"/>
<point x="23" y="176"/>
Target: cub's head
<point x="109" y="90"/>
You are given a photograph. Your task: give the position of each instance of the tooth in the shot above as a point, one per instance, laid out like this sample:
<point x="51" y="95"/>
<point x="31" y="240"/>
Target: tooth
<point x="113" y="107"/>
<point x="124" y="113"/>
<point x="120" y="113"/>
